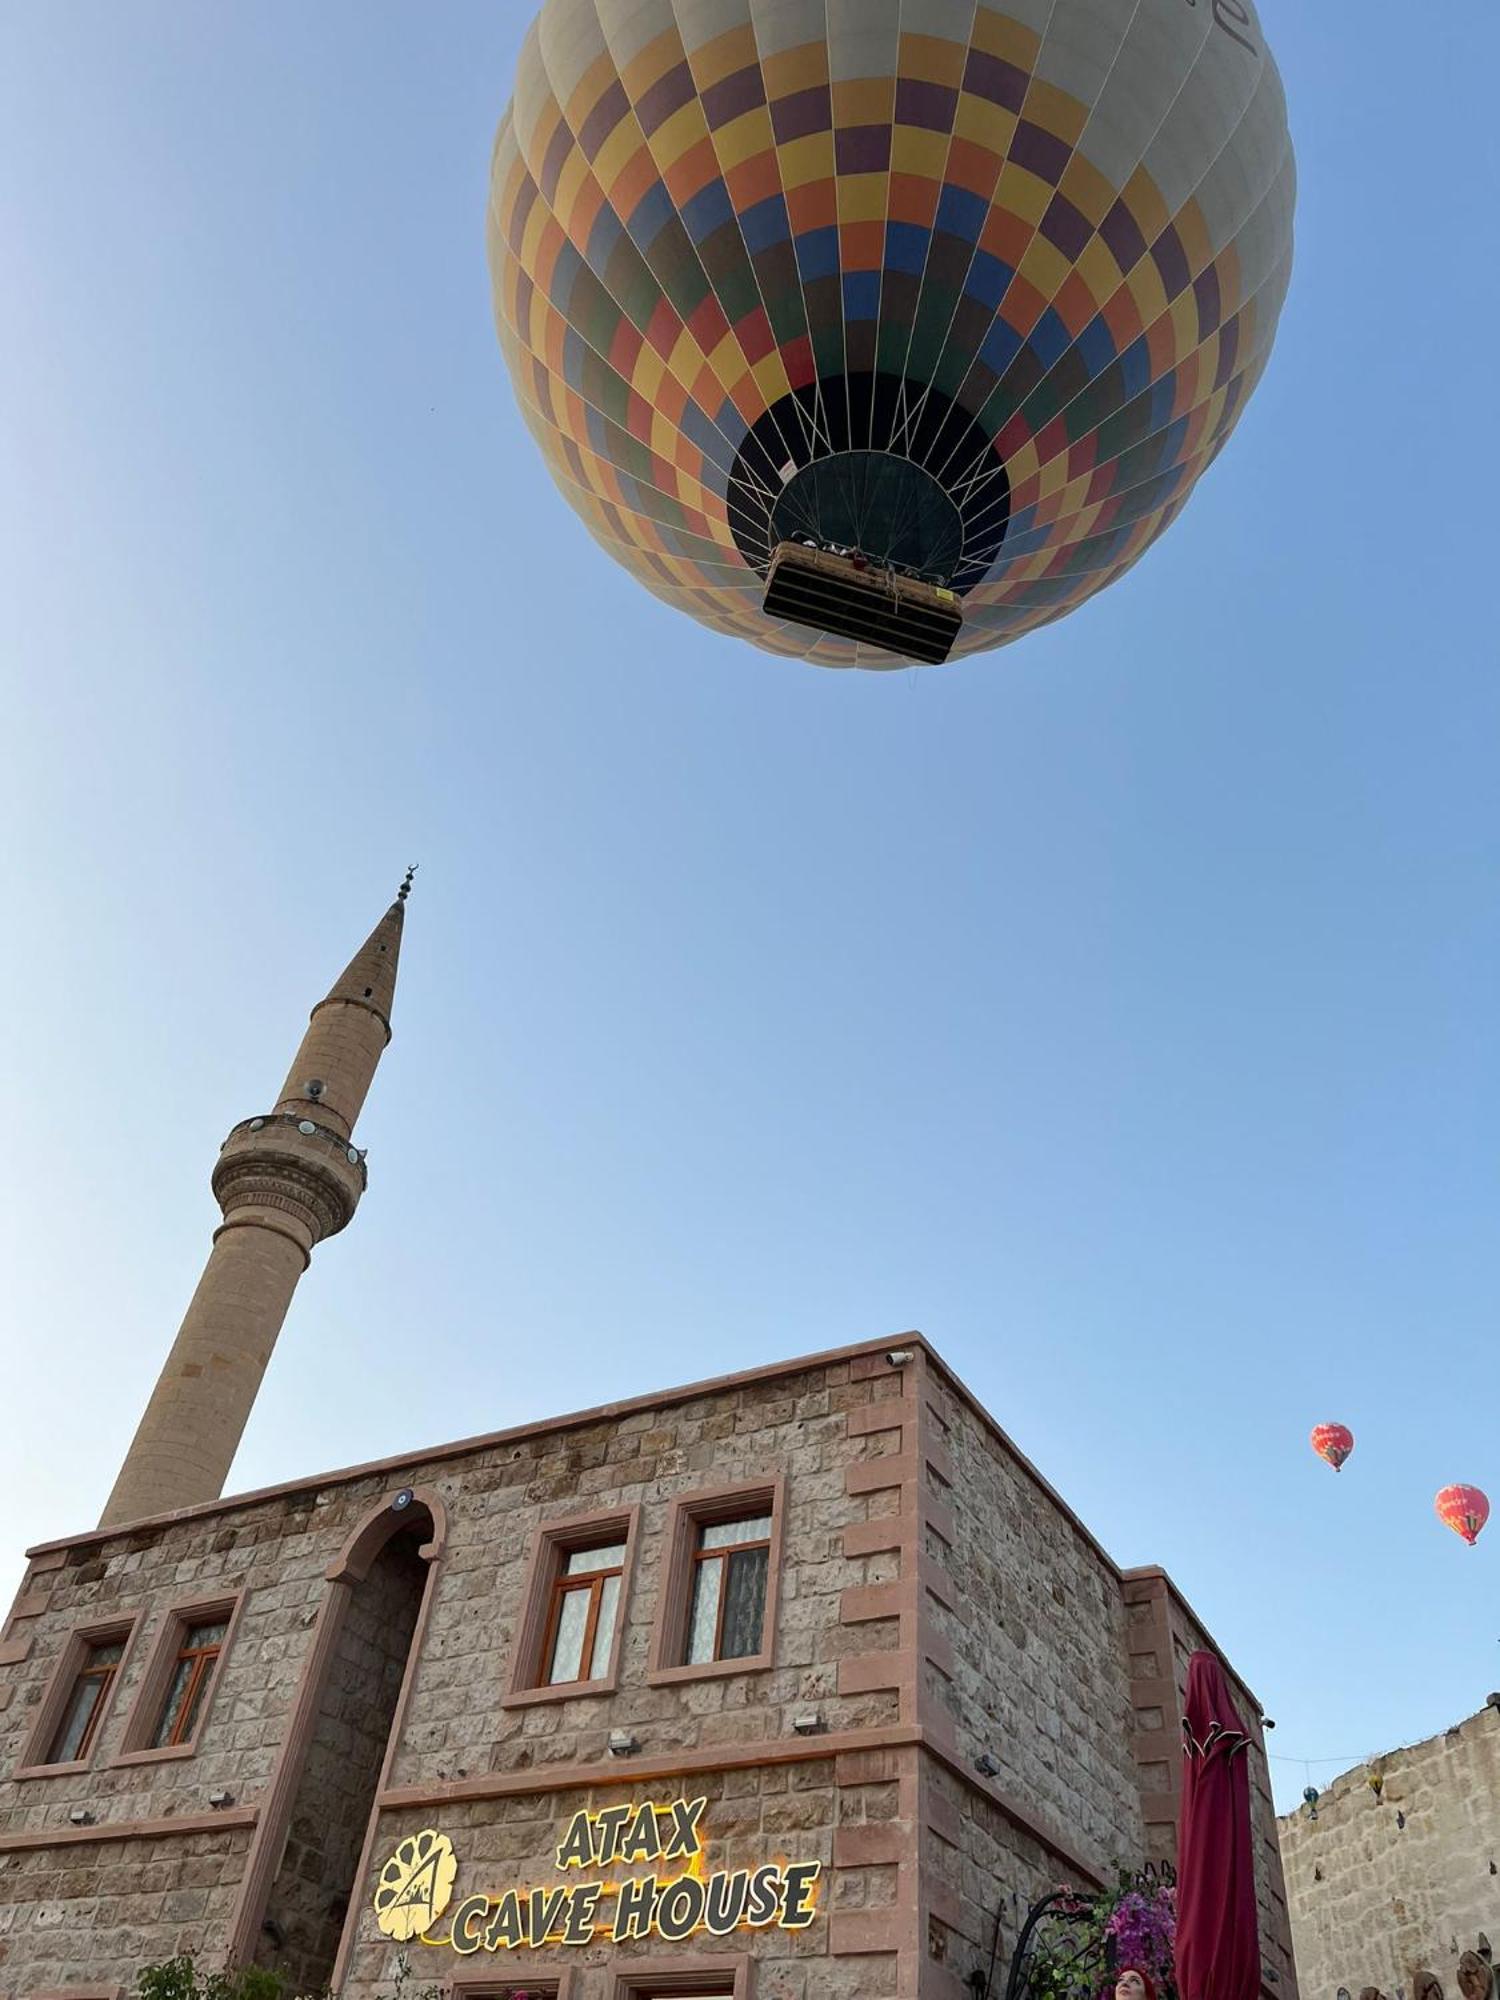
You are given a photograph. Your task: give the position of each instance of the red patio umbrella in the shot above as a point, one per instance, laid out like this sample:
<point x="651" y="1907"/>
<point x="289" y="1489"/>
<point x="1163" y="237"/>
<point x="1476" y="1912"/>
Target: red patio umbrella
<point x="1217" y="1955"/>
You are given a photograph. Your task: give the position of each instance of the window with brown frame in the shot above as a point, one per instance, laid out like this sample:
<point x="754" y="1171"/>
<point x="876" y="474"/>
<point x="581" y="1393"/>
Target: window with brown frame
<point x="525" y="1989"/>
<point x="720" y="1576"/>
<point x="727" y="1613"/>
<point x="174" y="1694"/>
<point x="582" y="1616"/>
<point x="471" y="1984"/>
<point x="191" y="1676"/>
<point x="573" y="1607"/>
<point x="699" y="1992"/>
<point x="87" y="1700"/>
<point x="655" y="1982"/>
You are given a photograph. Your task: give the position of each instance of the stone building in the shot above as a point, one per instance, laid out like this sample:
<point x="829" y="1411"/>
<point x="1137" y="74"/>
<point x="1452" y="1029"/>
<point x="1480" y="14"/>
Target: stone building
<point x="796" y="1685"/>
<point x="1394" y="1876"/>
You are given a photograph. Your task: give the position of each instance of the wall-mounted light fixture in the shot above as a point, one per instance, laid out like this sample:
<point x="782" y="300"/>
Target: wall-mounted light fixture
<point x="622" y="1743"/>
<point x="221" y="1798"/>
<point x="80" y="1816"/>
<point x="809" y="1723"/>
<point x="986" y="1765"/>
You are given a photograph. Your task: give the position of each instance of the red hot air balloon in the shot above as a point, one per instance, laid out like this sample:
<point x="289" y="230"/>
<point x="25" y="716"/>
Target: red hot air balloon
<point x="1333" y="1442"/>
<point x="1464" y="1509"/>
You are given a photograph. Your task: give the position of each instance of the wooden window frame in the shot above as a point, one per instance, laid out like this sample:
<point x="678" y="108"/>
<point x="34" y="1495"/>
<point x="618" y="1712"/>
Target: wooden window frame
<point x="551" y="1544"/>
<point x="121" y="1629"/>
<point x="482" y="1983"/>
<point x="657" y="1978"/>
<point x="687" y="1514"/>
<point x="136" y="1746"/>
<point x="724" y="1556"/>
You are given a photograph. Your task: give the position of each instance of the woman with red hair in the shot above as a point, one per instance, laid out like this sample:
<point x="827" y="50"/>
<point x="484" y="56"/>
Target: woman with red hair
<point x="1134" y="1984"/>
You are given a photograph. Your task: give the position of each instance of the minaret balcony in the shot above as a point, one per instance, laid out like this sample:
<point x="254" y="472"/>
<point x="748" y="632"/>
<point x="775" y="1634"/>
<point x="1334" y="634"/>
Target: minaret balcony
<point x="291" y="1166"/>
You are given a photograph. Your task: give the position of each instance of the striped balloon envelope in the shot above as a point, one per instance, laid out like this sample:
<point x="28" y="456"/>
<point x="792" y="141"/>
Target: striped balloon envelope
<point x="928" y="303"/>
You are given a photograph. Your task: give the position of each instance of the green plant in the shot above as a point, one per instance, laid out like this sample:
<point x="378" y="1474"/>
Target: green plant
<point x="179" y="1979"/>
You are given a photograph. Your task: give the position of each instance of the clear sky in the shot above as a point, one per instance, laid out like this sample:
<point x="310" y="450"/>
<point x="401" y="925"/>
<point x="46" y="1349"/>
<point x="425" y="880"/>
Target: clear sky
<point x="1118" y="1009"/>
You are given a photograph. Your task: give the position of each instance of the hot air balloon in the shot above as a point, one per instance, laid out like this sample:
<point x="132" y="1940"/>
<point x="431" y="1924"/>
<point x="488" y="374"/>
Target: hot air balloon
<point x="1333" y="1442"/>
<point x="875" y="333"/>
<point x="1464" y="1509"/>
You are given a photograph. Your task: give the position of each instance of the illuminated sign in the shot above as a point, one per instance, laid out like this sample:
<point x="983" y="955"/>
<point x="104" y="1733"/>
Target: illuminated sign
<point x="681" y="1897"/>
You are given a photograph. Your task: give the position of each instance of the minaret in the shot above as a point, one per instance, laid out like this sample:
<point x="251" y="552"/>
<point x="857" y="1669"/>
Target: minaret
<point x="284" y="1182"/>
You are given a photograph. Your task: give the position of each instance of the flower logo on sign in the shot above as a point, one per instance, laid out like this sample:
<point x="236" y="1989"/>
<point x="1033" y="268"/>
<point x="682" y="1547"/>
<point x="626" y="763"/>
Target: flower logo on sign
<point x="415" y="1885"/>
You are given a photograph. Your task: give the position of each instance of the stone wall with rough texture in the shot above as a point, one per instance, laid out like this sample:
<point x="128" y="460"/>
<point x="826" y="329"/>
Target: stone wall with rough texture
<point x="795" y="1425"/>
<point x="95" y="1913"/>
<point x="1374" y="1903"/>
<point x="982" y="1870"/>
<point x="1037" y="1630"/>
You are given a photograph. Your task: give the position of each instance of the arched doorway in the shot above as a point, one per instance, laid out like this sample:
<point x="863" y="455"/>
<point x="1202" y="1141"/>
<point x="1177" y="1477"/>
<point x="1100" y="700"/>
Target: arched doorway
<point x="341" y="1739"/>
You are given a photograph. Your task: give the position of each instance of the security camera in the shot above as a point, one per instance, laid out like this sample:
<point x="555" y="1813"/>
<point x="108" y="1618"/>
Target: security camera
<point x="898" y="1357"/>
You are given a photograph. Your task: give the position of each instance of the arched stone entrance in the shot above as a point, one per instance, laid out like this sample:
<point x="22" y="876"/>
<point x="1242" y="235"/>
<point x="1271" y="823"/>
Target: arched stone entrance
<point x="312" y="1840"/>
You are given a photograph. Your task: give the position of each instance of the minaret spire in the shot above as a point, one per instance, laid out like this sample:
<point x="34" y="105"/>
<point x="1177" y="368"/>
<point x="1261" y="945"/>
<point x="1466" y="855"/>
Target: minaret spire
<point x="284" y="1182"/>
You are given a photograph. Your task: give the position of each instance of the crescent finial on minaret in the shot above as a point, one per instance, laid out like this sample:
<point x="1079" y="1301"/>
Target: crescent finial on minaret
<point x="405" y="890"/>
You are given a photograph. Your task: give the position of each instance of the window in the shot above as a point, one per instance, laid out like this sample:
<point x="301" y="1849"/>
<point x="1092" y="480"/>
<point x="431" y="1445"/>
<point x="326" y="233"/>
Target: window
<point x="585" y="1605"/>
<point x="573" y="1608"/>
<point x="73" y="1738"/>
<point x="715" y="1979"/>
<point x="721" y="1563"/>
<point x="192" y="1674"/>
<point x="732" y="1564"/>
<point x="187" y="1658"/>
<point x="484" y="1986"/>
<point x="71" y="1716"/>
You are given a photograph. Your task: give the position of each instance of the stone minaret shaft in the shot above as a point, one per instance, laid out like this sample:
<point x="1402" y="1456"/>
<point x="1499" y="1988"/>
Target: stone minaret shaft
<point x="284" y="1182"/>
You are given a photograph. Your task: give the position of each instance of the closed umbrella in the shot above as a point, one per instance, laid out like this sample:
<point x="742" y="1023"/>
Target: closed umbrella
<point x="1218" y="1931"/>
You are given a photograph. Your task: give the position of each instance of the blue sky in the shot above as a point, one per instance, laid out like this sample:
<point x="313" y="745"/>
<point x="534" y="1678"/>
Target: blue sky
<point x="1118" y="1009"/>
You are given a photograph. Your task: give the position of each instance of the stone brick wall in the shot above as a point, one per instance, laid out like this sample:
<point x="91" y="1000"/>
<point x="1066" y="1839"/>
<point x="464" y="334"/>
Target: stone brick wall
<point x="1374" y="1903"/>
<point x="982" y="1868"/>
<point x="94" y="1912"/>
<point x="796" y="1425"/>
<point x="1037" y="1632"/>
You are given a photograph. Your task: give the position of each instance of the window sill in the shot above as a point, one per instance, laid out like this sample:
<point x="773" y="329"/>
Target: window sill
<point x="55" y="1770"/>
<point x="711" y="1670"/>
<point x="164" y="1755"/>
<point x="564" y="1691"/>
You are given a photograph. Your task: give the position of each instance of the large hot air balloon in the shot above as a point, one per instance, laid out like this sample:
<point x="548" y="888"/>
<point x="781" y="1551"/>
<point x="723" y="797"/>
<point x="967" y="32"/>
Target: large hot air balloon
<point x="1333" y="1442"/>
<point x="1464" y="1509"/>
<point x="871" y="332"/>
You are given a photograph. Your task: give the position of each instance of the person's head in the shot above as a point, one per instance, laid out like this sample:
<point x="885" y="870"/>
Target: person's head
<point x="1134" y="1984"/>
